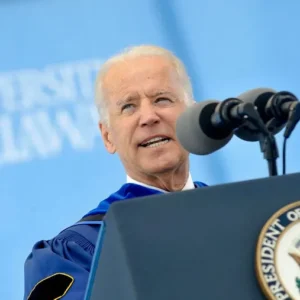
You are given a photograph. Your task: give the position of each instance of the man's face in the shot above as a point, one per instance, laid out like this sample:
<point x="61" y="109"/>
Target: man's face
<point x="144" y="99"/>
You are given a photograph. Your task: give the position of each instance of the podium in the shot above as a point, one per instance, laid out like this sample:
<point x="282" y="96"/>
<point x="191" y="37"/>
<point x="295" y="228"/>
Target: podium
<point x="206" y="243"/>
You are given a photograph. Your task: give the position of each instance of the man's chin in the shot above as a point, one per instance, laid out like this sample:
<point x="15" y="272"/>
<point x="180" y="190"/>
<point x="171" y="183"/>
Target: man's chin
<point x="160" y="167"/>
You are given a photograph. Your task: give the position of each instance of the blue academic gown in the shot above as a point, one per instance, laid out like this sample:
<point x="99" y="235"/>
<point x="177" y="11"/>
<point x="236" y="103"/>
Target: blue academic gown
<point x="59" y="268"/>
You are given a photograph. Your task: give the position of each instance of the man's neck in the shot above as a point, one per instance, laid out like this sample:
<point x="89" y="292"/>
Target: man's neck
<point x="189" y="184"/>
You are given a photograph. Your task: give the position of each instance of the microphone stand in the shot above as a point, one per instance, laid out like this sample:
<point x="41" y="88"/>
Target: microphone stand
<point x="269" y="148"/>
<point x="267" y="140"/>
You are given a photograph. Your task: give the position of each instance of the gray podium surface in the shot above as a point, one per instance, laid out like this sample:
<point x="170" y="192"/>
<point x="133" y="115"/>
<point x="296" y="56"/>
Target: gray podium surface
<point x="197" y="244"/>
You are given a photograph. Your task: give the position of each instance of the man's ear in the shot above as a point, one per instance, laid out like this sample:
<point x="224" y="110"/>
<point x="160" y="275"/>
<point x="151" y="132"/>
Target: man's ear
<point x="107" y="138"/>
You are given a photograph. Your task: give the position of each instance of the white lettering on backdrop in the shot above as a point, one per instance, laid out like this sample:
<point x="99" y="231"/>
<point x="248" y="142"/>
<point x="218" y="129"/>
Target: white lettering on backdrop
<point x="44" y="111"/>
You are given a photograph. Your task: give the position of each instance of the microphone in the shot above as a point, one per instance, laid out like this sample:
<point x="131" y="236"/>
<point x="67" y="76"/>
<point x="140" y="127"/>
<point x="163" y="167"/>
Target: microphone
<point x="276" y="109"/>
<point x="207" y="126"/>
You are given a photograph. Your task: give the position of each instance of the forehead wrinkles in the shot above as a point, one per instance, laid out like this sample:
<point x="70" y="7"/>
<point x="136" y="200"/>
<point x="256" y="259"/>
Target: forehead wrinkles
<point x="130" y="76"/>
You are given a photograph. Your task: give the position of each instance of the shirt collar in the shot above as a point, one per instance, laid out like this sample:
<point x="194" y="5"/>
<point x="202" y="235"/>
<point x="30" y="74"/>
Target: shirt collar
<point x="188" y="186"/>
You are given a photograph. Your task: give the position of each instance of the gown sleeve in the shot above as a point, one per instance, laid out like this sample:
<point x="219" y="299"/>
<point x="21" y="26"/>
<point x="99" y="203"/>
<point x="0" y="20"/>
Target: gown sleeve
<point x="58" y="268"/>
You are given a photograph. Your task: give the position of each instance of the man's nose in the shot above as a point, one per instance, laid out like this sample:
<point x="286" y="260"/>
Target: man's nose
<point x="148" y="115"/>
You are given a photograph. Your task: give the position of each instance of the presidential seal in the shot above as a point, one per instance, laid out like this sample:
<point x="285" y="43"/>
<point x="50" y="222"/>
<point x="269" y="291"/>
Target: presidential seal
<point x="278" y="254"/>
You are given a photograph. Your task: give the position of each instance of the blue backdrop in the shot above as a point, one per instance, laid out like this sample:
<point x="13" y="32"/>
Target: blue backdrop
<point x="53" y="166"/>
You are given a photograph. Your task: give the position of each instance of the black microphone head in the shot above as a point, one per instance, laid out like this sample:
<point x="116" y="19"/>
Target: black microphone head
<point x="195" y="131"/>
<point x="259" y="97"/>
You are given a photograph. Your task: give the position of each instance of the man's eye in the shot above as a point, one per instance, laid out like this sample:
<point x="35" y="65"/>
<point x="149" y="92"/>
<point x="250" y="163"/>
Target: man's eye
<point x="127" y="106"/>
<point x="163" y="100"/>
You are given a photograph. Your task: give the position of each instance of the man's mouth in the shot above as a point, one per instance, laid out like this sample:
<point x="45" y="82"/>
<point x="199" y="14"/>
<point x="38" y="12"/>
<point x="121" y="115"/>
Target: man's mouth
<point x="155" y="142"/>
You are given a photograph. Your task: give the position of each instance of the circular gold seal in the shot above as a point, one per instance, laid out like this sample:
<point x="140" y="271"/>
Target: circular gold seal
<point x="278" y="254"/>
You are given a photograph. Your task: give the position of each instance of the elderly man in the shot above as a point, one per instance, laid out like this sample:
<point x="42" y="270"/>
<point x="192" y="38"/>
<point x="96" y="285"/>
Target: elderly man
<point x="139" y="95"/>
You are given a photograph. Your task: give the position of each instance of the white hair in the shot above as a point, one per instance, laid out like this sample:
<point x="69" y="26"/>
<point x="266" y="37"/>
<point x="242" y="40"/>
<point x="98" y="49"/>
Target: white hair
<point x="132" y="52"/>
